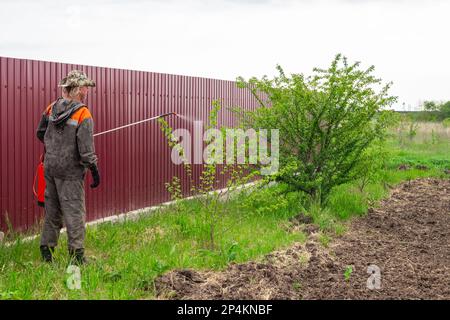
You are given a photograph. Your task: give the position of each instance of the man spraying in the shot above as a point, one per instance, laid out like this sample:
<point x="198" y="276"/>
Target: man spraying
<point x="66" y="129"/>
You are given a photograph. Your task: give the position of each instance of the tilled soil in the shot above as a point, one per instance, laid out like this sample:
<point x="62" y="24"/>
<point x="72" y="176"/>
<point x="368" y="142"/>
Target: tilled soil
<point x="406" y="238"/>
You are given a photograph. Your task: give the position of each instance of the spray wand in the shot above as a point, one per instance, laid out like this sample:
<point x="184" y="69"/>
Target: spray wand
<point x="135" y="123"/>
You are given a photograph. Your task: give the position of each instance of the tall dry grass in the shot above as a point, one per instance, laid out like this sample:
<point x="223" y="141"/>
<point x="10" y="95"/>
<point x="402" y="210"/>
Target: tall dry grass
<point x="423" y="132"/>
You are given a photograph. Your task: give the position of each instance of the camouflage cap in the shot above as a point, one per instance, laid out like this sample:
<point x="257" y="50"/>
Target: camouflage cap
<point x="76" y="78"/>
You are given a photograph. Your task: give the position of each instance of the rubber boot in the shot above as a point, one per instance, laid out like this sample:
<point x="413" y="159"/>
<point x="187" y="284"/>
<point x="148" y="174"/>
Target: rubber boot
<point x="47" y="253"/>
<point x="77" y="256"/>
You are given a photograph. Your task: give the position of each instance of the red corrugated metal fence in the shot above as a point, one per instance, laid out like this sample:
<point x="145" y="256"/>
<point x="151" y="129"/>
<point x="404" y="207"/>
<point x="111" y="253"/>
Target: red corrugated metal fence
<point x="134" y="163"/>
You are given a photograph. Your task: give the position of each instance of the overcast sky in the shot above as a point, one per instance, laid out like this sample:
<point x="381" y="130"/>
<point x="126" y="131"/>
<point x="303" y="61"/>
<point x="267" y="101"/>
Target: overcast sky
<point x="407" y="41"/>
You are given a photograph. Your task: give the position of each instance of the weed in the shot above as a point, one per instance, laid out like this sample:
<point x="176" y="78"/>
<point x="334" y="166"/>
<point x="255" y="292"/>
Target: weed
<point x="348" y="272"/>
<point x="324" y="240"/>
<point x="339" y="229"/>
<point x="303" y="259"/>
<point x="297" y="286"/>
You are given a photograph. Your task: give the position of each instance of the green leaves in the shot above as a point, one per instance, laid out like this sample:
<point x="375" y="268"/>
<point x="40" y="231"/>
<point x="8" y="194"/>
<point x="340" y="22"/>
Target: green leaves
<point x="212" y="204"/>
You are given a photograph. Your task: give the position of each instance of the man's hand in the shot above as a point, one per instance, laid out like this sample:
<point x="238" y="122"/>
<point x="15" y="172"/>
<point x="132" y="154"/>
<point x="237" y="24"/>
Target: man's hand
<point x="95" y="177"/>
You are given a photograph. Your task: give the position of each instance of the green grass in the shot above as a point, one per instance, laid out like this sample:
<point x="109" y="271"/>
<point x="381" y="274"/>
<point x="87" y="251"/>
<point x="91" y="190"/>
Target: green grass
<point x="126" y="257"/>
<point x="430" y="146"/>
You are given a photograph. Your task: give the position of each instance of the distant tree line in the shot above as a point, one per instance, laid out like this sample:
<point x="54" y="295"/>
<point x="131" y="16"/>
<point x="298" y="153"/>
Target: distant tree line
<point x="433" y="111"/>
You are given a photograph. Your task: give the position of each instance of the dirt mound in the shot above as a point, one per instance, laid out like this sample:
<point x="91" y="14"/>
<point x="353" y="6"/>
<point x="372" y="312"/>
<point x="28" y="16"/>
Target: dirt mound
<point x="267" y="279"/>
<point x="404" y="244"/>
<point x="302" y="223"/>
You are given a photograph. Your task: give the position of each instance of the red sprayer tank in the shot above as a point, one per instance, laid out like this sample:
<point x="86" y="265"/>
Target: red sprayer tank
<point x="39" y="182"/>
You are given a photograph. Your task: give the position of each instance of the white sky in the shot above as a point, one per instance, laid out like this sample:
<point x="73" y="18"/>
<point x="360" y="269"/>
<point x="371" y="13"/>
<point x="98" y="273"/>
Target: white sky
<point x="407" y="41"/>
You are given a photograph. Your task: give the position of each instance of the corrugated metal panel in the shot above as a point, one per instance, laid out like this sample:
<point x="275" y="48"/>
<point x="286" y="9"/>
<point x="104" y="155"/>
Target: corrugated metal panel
<point x="134" y="163"/>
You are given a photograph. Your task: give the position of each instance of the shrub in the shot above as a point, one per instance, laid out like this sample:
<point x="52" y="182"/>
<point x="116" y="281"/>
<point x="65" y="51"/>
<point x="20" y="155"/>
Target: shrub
<point x="326" y="122"/>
